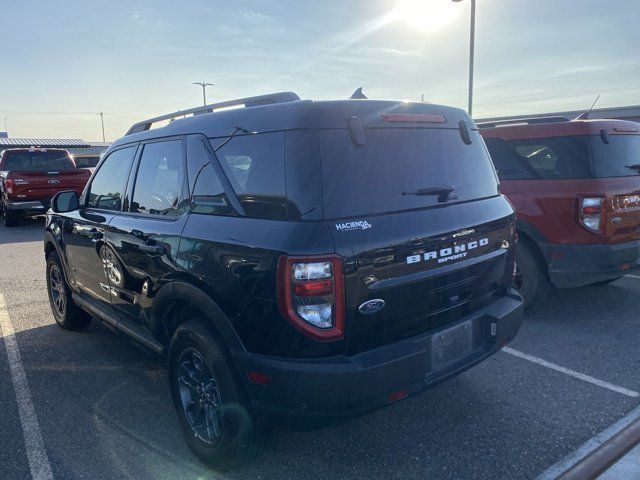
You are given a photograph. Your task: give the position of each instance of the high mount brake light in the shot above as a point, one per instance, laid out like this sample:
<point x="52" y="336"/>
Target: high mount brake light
<point x="412" y="118"/>
<point x="591" y="213"/>
<point x="311" y="295"/>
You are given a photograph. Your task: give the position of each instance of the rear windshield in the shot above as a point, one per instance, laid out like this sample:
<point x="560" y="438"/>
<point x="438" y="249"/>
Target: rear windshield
<point x="575" y="157"/>
<point x="397" y="166"/>
<point x="37" y="161"/>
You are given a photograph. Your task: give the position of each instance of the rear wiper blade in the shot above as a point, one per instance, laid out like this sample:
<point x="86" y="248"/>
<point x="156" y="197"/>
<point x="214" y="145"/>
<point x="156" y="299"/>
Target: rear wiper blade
<point x="635" y="166"/>
<point x="443" y="192"/>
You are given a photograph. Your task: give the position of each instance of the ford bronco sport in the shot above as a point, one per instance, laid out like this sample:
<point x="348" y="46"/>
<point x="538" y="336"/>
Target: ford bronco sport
<point x="575" y="186"/>
<point x="295" y="262"/>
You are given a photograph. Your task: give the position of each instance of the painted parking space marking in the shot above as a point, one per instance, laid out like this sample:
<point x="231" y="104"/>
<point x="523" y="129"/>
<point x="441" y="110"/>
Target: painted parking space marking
<point x="574" y="457"/>
<point x="36" y="454"/>
<point x="632" y="276"/>
<point x="571" y="373"/>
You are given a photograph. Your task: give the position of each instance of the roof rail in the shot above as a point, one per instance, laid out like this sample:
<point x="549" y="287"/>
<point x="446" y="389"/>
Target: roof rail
<point x="523" y="121"/>
<point x="271" y="98"/>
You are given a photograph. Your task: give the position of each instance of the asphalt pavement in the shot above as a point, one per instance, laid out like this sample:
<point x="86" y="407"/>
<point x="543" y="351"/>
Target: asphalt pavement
<point x="103" y="407"/>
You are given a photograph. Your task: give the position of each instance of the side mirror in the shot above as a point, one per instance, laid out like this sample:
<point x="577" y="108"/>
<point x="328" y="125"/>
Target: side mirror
<point x="63" y="202"/>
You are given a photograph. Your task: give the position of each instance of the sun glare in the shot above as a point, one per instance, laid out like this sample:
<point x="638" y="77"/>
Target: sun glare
<point x="426" y="14"/>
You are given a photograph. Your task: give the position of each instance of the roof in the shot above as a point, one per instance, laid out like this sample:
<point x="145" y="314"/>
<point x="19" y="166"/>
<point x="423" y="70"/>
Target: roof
<point x="561" y="129"/>
<point x="299" y="114"/>
<point x="43" y="142"/>
<point x="622" y="112"/>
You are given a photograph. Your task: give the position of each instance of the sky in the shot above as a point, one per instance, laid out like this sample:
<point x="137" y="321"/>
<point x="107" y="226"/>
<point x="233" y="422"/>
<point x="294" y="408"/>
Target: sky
<point x="64" y="61"/>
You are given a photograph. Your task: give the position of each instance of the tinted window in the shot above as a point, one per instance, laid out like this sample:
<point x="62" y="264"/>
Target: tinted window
<point x="254" y="164"/>
<point x="37" y="160"/>
<point x="615" y="158"/>
<point x="108" y="183"/>
<point x="394" y="165"/>
<point x="158" y="186"/>
<point x="555" y="157"/>
<point x="565" y="157"/>
<point x="207" y="193"/>
<point x="86" y="162"/>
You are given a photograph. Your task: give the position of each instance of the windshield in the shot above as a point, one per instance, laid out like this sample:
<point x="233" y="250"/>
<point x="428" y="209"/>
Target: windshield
<point x="37" y="161"/>
<point x="401" y="169"/>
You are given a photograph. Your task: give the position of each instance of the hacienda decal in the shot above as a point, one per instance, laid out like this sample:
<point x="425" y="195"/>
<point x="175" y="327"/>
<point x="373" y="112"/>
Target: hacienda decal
<point x="357" y="225"/>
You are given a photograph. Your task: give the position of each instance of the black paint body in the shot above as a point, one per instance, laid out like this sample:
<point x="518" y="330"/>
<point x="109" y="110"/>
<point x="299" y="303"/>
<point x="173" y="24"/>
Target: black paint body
<point x="225" y="268"/>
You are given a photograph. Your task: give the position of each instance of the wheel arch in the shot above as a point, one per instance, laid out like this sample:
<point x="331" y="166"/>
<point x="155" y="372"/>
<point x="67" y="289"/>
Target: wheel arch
<point x="528" y="235"/>
<point x="179" y="301"/>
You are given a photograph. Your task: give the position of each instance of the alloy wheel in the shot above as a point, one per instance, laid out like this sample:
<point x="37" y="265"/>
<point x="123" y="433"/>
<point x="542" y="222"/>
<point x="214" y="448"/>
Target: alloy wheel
<point x="58" y="292"/>
<point x="200" y="396"/>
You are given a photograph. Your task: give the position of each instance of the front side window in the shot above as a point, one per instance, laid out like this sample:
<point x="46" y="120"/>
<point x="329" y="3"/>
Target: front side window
<point x="158" y="185"/>
<point x="105" y="191"/>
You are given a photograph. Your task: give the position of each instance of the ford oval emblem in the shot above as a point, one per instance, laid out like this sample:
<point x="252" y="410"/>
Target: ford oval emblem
<point x="371" y="306"/>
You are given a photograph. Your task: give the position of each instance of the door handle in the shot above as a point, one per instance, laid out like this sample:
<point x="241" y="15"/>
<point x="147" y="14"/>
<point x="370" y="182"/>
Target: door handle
<point x="152" y="249"/>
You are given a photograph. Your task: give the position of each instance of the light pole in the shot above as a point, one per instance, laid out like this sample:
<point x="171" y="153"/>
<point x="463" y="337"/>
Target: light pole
<point x="204" y="86"/>
<point x="102" y="121"/>
<point x="472" y="34"/>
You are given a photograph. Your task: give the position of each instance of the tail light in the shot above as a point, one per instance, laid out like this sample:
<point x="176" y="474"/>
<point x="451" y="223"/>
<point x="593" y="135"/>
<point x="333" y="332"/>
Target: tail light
<point x="591" y="213"/>
<point x="311" y="295"/>
<point x="8" y="186"/>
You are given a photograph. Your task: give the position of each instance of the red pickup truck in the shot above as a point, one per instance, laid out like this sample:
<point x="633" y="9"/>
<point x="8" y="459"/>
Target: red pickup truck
<point x="575" y="185"/>
<point x="29" y="177"/>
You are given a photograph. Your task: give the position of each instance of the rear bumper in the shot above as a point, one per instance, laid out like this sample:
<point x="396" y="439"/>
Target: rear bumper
<point x="27" y="207"/>
<point x="314" y="392"/>
<point x="579" y="265"/>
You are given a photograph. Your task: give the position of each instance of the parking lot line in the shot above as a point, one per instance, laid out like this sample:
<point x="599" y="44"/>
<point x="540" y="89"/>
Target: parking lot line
<point x="36" y="454"/>
<point x="632" y="276"/>
<point x="571" y="373"/>
<point x="574" y="457"/>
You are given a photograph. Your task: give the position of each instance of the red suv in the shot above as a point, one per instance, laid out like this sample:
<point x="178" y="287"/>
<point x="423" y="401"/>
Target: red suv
<point x="575" y="185"/>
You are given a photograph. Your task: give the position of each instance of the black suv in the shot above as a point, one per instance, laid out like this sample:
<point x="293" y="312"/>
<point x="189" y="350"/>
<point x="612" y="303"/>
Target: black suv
<point x="295" y="262"/>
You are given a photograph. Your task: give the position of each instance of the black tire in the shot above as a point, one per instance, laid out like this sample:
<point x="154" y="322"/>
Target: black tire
<point x="65" y="312"/>
<point x="219" y="428"/>
<point x="531" y="280"/>
<point x="10" y="218"/>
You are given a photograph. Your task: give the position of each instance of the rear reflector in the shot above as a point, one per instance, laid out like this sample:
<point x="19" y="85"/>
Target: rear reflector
<point x="412" y="118"/>
<point x="397" y="395"/>
<point x="259" y="378"/>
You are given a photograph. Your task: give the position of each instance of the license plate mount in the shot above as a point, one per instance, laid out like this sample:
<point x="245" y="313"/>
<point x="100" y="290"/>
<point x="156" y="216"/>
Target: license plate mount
<point x="451" y="345"/>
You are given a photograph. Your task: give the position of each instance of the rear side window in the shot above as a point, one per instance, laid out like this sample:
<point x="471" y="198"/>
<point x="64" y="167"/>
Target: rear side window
<point x="254" y="165"/>
<point x="37" y="161"/>
<point x="158" y="187"/>
<point x="105" y="191"/>
<point x="397" y="166"/>
<point x="208" y="195"/>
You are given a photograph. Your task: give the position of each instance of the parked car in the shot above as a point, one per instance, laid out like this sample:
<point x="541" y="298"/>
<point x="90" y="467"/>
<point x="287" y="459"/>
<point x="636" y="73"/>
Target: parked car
<point x="575" y="186"/>
<point x="29" y="177"/>
<point x="296" y="263"/>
